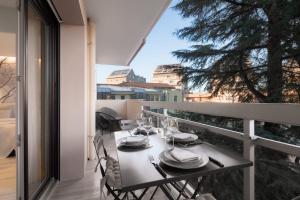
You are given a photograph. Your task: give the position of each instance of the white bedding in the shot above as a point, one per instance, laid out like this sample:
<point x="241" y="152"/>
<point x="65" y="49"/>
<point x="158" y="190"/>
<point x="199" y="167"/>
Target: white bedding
<point x="7" y="136"/>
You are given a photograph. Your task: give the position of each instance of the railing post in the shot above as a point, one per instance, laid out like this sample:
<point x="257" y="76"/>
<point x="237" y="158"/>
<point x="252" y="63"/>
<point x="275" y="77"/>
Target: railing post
<point x="249" y="154"/>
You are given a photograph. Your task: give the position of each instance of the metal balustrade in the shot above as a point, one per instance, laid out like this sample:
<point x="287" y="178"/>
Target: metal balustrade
<point x="249" y="112"/>
<point x="275" y="113"/>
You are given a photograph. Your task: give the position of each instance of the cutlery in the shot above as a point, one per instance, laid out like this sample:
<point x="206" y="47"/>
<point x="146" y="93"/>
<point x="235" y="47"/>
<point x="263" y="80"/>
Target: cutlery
<point x="216" y="162"/>
<point x="157" y="167"/>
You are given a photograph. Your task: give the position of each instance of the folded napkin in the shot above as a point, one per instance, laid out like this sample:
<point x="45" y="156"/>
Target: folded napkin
<point x="135" y="139"/>
<point x="183" y="136"/>
<point x="142" y="131"/>
<point x="182" y="155"/>
<point x="173" y="130"/>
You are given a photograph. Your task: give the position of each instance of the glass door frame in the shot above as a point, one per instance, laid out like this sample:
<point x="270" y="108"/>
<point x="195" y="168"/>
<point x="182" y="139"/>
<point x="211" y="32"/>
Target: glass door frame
<point x="52" y="44"/>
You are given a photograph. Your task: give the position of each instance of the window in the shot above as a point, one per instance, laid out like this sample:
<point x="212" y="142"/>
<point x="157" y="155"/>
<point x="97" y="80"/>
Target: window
<point x="175" y="98"/>
<point x="122" y="97"/>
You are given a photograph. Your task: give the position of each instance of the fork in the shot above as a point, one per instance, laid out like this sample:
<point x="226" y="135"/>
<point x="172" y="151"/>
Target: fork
<point x="157" y="167"/>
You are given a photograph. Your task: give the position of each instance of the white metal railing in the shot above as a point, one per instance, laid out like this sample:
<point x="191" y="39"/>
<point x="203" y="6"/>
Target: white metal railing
<point x="276" y="113"/>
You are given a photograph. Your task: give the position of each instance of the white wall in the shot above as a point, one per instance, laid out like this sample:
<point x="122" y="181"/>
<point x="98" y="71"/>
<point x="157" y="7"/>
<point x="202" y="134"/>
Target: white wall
<point x="127" y="109"/>
<point x="73" y="105"/>
<point x="120" y="106"/>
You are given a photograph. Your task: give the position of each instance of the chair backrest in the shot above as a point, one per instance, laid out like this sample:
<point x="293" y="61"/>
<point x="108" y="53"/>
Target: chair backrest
<point x="98" y="144"/>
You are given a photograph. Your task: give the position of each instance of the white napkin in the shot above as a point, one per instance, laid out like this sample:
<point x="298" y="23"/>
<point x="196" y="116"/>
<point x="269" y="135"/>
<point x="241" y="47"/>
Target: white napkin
<point x="183" y="136"/>
<point x="182" y="155"/>
<point x="135" y="139"/>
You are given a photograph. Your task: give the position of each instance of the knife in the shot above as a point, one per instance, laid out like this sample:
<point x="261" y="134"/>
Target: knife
<point x="157" y="167"/>
<point x="216" y="162"/>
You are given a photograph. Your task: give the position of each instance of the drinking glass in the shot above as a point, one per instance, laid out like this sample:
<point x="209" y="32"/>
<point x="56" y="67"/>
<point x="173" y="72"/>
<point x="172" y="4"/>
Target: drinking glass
<point x="148" y="126"/>
<point x="164" y="123"/>
<point x="139" y="120"/>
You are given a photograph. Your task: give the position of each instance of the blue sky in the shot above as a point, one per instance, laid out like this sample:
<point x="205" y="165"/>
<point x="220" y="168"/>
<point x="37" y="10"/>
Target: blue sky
<point x="157" y="51"/>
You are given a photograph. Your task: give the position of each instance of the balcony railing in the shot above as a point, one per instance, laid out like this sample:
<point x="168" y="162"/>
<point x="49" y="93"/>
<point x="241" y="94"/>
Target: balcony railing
<point x="276" y="113"/>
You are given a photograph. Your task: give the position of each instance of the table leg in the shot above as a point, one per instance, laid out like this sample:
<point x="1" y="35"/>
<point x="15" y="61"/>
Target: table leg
<point x="197" y="190"/>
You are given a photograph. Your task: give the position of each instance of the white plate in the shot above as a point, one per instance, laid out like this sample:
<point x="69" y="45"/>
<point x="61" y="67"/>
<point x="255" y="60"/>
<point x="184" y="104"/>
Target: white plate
<point x="122" y="142"/>
<point x="189" y="165"/>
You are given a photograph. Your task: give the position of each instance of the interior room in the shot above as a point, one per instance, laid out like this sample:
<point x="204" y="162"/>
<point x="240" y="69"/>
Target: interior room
<point x="8" y="31"/>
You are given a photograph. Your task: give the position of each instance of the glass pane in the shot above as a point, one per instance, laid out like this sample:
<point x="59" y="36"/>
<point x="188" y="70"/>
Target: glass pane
<point x="8" y="35"/>
<point x="279" y="132"/>
<point x="35" y="71"/>
<point x="277" y="175"/>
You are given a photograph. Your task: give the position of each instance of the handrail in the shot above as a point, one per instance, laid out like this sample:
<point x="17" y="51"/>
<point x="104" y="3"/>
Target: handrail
<point x="266" y="112"/>
<point x="222" y="131"/>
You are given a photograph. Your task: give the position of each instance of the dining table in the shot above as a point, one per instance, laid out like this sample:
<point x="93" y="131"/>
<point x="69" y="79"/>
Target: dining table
<point x="137" y="172"/>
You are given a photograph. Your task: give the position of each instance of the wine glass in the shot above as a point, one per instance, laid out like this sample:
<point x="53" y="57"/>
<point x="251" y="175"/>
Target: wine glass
<point x="149" y="125"/>
<point x="140" y="120"/>
<point x="164" y="123"/>
<point x="173" y="129"/>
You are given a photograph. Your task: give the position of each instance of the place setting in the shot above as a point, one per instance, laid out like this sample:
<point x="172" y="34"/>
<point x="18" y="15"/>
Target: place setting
<point x="139" y="137"/>
<point x="145" y="126"/>
<point x="133" y="143"/>
<point x="183" y="158"/>
<point x="172" y="134"/>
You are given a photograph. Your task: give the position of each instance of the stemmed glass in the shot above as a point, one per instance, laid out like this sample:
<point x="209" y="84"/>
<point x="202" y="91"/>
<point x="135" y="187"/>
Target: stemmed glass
<point x="173" y="129"/>
<point x="164" y="123"/>
<point x="149" y="125"/>
<point x="140" y="120"/>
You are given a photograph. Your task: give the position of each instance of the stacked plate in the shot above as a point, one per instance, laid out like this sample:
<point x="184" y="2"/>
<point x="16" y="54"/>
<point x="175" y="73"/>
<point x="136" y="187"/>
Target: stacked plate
<point x="183" y="159"/>
<point x="139" y="141"/>
<point x="183" y="137"/>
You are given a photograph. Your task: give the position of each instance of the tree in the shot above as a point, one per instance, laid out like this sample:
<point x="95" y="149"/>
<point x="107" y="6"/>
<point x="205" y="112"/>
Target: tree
<point x="242" y="47"/>
<point x="250" y="49"/>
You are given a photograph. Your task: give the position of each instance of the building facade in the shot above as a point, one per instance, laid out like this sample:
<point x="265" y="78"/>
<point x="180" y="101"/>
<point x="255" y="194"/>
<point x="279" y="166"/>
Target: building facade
<point x="169" y="74"/>
<point x="145" y="91"/>
<point x="126" y="75"/>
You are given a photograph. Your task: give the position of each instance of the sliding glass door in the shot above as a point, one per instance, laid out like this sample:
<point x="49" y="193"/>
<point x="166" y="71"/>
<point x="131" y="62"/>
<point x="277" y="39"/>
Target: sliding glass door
<point x="36" y="92"/>
<point x="38" y="97"/>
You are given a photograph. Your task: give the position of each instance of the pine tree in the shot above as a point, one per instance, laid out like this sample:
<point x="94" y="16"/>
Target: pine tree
<point x="250" y="49"/>
<point x="242" y="47"/>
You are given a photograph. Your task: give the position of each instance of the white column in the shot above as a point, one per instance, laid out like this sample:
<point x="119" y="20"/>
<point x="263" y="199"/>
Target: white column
<point x="249" y="153"/>
<point x="73" y="108"/>
<point x="91" y="88"/>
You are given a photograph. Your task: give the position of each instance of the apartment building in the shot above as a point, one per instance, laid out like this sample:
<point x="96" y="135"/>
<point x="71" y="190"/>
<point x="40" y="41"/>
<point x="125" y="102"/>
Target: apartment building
<point x="169" y="74"/>
<point x="125" y="75"/>
<point x="146" y="91"/>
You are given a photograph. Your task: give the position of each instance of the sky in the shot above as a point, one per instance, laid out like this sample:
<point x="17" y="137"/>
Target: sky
<point x="160" y="42"/>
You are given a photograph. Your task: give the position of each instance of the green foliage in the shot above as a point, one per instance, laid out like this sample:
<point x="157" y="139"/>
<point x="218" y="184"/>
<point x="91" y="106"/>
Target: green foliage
<point x="247" y="48"/>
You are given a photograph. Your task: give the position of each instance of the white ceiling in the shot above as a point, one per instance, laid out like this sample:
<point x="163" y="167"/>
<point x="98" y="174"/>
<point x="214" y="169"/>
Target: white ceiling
<point x="122" y="27"/>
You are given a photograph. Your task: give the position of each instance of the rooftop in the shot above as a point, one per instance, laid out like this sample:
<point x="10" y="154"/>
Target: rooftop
<point x="170" y="68"/>
<point x="122" y="72"/>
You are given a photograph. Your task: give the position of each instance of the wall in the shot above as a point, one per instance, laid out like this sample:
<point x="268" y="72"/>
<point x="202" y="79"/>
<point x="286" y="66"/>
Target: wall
<point x="127" y="109"/>
<point x="120" y="106"/>
<point x="73" y="107"/>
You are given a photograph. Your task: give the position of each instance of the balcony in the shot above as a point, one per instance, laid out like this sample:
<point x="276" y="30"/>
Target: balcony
<point x="247" y="140"/>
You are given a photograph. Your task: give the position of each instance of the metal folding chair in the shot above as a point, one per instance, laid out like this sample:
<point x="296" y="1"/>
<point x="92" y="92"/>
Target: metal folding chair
<point x="117" y="193"/>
